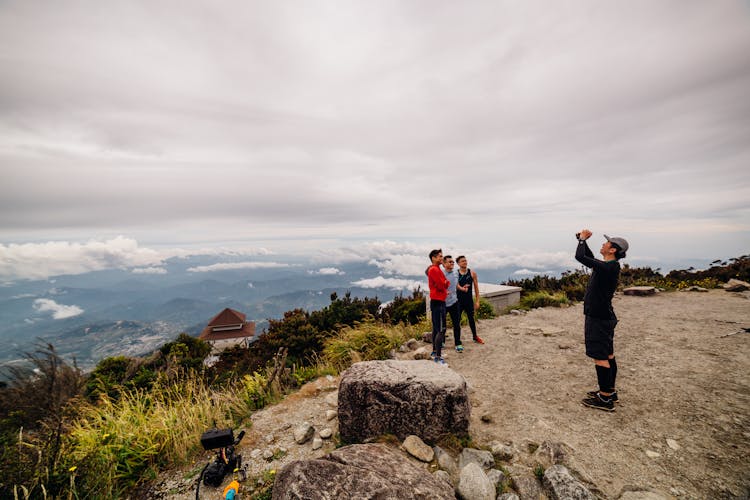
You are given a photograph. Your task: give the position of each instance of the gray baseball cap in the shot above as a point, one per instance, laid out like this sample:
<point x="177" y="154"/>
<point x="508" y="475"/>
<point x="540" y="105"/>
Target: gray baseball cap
<point x="620" y="242"/>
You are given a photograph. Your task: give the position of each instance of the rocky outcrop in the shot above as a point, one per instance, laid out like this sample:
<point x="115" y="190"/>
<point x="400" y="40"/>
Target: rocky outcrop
<point x="402" y="398"/>
<point x="365" y="471"/>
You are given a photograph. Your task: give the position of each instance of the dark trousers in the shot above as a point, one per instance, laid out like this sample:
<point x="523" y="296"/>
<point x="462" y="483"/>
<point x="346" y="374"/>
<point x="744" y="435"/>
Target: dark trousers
<point x="437" y="308"/>
<point x="467" y="305"/>
<point x="455" y="312"/>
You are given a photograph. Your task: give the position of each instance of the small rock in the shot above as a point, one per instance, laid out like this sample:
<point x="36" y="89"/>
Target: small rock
<point x="486" y="418"/>
<point x="412" y="344"/>
<point x="482" y="458"/>
<point x="694" y="288"/>
<point x="326" y="433"/>
<point x="641" y="291"/>
<point x="267" y="455"/>
<point x="333" y="399"/>
<point x="441" y="474"/>
<point x="516" y="312"/>
<point x="527" y="485"/>
<point x="317" y="443"/>
<point x="392" y="354"/>
<point x="422" y="353"/>
<point x="427" y="337"/>
<point x="403" y="348"/>
<point x="502" y="452"/>
<point x="652" y="454"/>
<point x="562" y="485"/>
<point x="549" y="454"/>
<point x="673" y="444"/>
<point x="270" y="438"/>
<point x="329" y="378"/>
<point x="473" y="484"/>
<point x="446" y="461"/>
<point x="331" y="414"/>
<point x="496" y="477"/>
<point x="416" y="448"/>
<point x="303" y="433"/>
<point x="255" y="454"/>
<point x="508" y="496"/>
<point x="734" y="285"/>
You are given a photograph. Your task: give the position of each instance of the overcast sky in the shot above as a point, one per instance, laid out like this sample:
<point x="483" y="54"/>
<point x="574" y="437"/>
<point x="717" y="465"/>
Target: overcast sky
<point x="295" y="126"/>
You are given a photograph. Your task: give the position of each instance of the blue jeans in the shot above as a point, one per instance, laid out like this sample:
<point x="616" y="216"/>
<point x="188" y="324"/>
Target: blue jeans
<point x="437" y="308"/>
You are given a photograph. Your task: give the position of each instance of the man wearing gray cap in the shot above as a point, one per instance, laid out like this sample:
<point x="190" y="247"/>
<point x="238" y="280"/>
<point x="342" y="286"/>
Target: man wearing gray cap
<point x="599" y="330"/>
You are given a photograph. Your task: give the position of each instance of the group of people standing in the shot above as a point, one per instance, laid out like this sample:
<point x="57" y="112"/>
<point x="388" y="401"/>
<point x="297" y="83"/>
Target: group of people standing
<point x="452" y="291"/>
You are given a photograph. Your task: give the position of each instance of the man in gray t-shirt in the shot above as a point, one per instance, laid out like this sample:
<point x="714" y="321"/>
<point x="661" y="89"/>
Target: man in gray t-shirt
<point x="451" y="302"/>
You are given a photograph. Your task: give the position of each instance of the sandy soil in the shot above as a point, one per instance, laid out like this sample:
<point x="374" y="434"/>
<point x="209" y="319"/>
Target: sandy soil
<point x="684" y="375"/>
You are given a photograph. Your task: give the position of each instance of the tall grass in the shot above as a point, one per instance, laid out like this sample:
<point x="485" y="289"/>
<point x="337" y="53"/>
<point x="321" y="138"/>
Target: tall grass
<point x="367" y="341"/>
<point x="113" y="445"/>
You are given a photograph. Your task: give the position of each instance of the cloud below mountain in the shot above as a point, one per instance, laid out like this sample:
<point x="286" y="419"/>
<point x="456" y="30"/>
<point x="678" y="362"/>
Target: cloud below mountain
<point x="59" y="311"/>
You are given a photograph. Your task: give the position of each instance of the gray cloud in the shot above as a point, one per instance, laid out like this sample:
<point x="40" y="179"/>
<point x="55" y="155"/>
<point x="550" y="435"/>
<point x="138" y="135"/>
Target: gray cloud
<point x="375" y="120"/>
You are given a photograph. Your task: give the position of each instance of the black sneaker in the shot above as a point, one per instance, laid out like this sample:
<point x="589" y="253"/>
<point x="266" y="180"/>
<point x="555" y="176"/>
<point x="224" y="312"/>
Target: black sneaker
<point x="599" y="403"/>
<point x="613" y="396"/>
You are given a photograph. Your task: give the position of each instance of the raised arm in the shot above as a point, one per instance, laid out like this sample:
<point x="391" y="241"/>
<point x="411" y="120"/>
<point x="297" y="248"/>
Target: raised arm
<point x="584" y="254"/>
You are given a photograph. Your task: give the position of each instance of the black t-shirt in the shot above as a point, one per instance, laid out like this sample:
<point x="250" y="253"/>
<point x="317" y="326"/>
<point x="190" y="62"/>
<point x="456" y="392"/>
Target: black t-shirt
<point x="597" y="302"/>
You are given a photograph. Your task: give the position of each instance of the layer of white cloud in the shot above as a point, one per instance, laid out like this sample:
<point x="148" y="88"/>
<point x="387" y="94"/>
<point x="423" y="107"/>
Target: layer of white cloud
<point x="231" y="266"/>
<point x="59" y="311"/>
<point x="53" y="258"/>
<point x="327" y="271"/>
<point x="392" y="283"/>
<point x="42" y="260"/>
<point x="149" y="270"/>
<point x="411" y="259"/>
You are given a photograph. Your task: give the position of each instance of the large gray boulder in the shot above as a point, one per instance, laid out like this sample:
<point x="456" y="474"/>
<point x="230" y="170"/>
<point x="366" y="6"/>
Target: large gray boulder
<point x="362" y="471"/>
<point x="402" y="398"/>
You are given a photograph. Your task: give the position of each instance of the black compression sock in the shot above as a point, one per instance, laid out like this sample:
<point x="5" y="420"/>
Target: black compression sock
<point x="613" y="373"/>
<point x="603" y="377"/>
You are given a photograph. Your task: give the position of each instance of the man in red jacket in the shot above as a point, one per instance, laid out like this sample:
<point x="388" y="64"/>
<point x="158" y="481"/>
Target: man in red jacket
<point x="438" y="292"/>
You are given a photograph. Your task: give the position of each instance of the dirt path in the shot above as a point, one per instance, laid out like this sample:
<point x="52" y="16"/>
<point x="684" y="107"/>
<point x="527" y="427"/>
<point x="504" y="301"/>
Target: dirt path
<point x="680" y="378"/>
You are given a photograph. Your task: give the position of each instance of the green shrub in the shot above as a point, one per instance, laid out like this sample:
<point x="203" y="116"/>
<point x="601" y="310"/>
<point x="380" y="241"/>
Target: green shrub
<point x="485" y="311"/>
<point x="409" y="310"/>
<point x="542" y="299"/>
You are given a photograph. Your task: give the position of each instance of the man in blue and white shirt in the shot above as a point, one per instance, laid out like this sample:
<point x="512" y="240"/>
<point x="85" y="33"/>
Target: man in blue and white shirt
<point x="451" y="302"/>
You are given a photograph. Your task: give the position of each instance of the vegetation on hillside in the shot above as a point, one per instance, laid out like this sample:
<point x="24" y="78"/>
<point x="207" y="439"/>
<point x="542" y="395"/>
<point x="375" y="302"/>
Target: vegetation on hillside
<point x="65" y="434"/>
<point x="544" y="290"/>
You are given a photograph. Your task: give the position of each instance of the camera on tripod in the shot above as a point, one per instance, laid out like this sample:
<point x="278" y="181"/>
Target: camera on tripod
<point x="226" y="461"/>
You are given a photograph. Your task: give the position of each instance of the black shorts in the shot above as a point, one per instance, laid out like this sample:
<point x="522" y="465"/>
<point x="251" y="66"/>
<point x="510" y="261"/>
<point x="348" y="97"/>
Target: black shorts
<point x="600" y="337"/>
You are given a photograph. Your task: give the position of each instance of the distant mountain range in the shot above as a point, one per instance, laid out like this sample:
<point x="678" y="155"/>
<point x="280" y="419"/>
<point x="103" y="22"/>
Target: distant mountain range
<point x="106" y="313"/>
